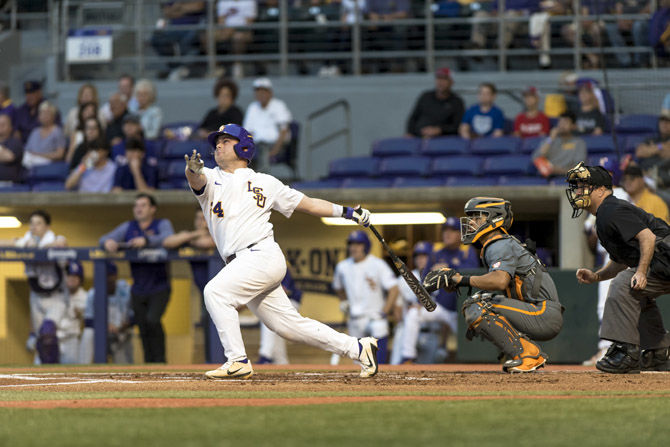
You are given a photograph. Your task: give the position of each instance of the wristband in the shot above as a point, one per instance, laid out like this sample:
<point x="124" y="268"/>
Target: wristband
<point x="348" y="212"/>
<point x="465" y="281"/>
<point x="338" y="210"/>
<point x="660" y="146"/>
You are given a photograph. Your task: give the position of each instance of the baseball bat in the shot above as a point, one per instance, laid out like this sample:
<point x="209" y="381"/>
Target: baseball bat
<point x="413" y="283"/>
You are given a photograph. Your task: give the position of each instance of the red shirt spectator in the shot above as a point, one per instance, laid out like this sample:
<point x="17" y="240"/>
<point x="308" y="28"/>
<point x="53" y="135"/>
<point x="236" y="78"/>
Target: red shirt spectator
<point x="533" y="122"/>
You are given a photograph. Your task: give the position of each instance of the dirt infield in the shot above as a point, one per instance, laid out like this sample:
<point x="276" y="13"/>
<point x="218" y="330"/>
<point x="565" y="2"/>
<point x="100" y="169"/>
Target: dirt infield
<point x="393" y="383"/>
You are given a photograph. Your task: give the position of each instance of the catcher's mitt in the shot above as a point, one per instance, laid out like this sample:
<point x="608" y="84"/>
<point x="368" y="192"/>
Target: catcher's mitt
<point x="440" y="279"/>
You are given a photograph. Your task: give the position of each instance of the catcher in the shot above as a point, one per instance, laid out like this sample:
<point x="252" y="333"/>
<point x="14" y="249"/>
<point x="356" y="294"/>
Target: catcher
<point x="529" y="308"/>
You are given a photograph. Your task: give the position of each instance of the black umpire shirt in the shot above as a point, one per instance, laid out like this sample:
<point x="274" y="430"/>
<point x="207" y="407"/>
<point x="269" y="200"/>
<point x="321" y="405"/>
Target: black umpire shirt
<point x="431" y="111"/>
<point x="617" y="224"/>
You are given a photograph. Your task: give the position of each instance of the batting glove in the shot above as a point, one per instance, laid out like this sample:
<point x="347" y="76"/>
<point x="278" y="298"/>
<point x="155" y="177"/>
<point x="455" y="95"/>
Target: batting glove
<point x="359" y="215"/>
<point x="194" y="163"/>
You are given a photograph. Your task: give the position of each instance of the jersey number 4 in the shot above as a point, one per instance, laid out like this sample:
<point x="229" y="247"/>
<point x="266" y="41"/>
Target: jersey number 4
<point x="216" y="209"/>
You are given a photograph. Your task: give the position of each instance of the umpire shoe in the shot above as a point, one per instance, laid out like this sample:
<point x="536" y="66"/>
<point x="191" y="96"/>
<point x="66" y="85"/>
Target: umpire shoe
<point x="232" y="370"/>
<point x="621" y="358"/>
<point x="655" y="359"/>
<point x="529" y="360"/>
<point x="368" y="356"/>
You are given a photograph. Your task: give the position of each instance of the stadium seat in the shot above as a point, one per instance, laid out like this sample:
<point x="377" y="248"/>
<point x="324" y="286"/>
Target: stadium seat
<point x="514" y="180"/>
<point x="49" y="186"/>
<point x="358" y="182"/>
<point x="594" y="160"/>
<point x="471" y="181"/>
<point x="495" y="146"/>
<point x="507" y="165"/>
<point x="174" y="184"/>
<point x="177" y="149"/>
<point x="410" y="166"/>
<point x="457" y="165"/>
<point x="528" y="145"/>
<point x="346" y="167"/>
<point x="53" y="172"/>
<point x="153" y="149"/>
<point x="396" y="147"/>
<point x="598" y="144"/>
<point x="440" y="146"/>
<point x="14" y="188"/>
<point x="317" y="184"/>
<point x="179" y="130"/>
<point x="633" y="141"/>
<point x="418" y="182"/>
<point x="629" y="124"/>
<point x="175" y="170"/>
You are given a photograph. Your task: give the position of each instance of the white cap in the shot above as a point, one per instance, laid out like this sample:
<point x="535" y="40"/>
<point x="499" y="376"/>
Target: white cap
<point x="263" y="83"/>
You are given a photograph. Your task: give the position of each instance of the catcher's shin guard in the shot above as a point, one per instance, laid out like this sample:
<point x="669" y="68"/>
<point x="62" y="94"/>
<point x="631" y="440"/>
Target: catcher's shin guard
<point x="524" y="355"/>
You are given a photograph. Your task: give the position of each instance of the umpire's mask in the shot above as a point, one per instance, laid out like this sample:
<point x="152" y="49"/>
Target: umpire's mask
<point x="582" y="180"/>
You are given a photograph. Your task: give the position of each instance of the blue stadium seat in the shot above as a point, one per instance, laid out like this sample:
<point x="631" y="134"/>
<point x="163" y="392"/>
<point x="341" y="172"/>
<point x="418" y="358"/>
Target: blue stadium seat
<point x="457" y="165"/>
<point x="317" y="184"/>
<point x="410" y="166"/>
<point x="346" y="167"/>
<point x="55" y="171"/>
<point x="598" y="144"/>
<point x="174" y="184"/>
<point x="177" y="149"/>
<point x="633" y="141"/>
<point x="357" y="182"/>
<point x="471" y="181"/>
<point x="396" y="147"/>
<point x="594" y="160"/>
<point x="14" y="188"/>
<point x="495" y="146"/>
<point x="514" y="180"/>
<point x="637" y="124"/>
<point x="439" y="146"/>
<point x="418" y="182"/>
<point x="179" y="130"/>
<point x="507" y="165"/>
<point x="528" y="145"/>
<point x="175" y="170"/>
<point x="49" y="186"/>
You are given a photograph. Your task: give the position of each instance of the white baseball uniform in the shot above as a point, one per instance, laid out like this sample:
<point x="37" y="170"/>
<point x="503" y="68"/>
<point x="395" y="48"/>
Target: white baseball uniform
<point x="69" y="327"/>
<point x="237" y="208"/>
<point x="364" y="284"/>
<point x="415" y="316"/>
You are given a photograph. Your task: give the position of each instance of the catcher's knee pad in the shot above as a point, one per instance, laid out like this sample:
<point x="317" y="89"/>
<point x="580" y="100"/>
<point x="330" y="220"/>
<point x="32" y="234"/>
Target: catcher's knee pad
<point x="47" y="343"/>
<point x="475" y="307"/>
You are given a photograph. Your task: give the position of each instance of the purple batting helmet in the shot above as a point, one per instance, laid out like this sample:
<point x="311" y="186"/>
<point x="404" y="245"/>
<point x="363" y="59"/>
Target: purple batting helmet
<point x="611" y="165"/>
<point x="74" y="268"/>
<point x="245" y="148"/>
<point x="423" y="248"/>
<point x="359" y="237"/>
<point x="452" y="222"/>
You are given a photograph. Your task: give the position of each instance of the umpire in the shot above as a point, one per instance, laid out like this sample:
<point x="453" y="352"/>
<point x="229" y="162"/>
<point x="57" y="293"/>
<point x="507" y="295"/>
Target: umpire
<point x="639" y="247"/>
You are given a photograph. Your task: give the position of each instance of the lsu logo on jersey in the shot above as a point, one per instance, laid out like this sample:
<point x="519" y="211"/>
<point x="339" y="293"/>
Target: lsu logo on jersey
<point x="258" y="194"/>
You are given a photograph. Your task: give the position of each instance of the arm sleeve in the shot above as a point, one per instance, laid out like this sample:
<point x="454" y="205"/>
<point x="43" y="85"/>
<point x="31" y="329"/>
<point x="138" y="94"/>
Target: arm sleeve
<point x="164" y="230"/>
<point x="627" y="223"/>
<point x="498" y="119"/>
<point x="284" y="116"/>
<point x="337" y="278"/>
<point x="286" y="199"/>
<point x="118" y="234"/>
<point x="499" y="256"/>
<point x="467" y="116"/>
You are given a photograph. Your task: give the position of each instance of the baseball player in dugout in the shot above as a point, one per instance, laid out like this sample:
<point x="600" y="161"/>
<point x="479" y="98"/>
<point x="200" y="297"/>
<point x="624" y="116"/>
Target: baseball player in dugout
<point x="517" y="304"/>
<point x="639" y="247"/>
<point x="237" y="203"/>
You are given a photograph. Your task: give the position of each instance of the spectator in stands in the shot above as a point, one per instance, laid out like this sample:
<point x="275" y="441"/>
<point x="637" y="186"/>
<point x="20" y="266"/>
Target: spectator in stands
<point x="562" y="150"/>
<point x="230" y="35"/>
<point x="150" y="114"/>
<point x="539" y="27"/>
<point x="484" y="119"/>
<point x="591" y="30"/>
<point x="86" y="96"/>
<point x="225" y="112"/>
<point x="46" y="143"/>
<point x="656" y="150"/>
<point x="137" y="173"/>
<point x="119" y="317"/>
<point x="589" y="119"/>
<point x="382" y="35"/>
<point x="638" y="29"/>
<point x="513" y="9"/>
<point x="27" y="114"/>
<point x="86" y="111"/>
<point x="665" y="108"/>
<point x="132" y="127"/>
<point x="6" y="105"/>
<point x="11" y="152"/>
<point x="267" y="119"/>
<point x="96" y="171"/>
<point x="92" y="131"/>
<point x="126" y="88"/>
<point x="69" y="327"/>
<point x="150" y="292"/>
<point x="437" y="112"/>
<point x="118" y="106"/>
<point x="633" y="183"/>
<point x="532" y="122"/>
<point x="176" y="41"/>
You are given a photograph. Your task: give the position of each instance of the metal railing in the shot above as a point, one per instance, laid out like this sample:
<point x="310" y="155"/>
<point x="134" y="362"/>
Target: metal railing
<point x="345" y="130"/>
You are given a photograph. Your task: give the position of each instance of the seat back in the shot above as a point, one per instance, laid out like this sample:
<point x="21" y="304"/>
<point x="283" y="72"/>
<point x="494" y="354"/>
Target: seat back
<point x="456" y="165"/>
<point x="396" y="147"/>
<point x="352" y="166"/>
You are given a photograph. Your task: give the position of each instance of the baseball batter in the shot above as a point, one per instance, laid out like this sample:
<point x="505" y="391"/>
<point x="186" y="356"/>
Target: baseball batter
<point x="237" y="203"/>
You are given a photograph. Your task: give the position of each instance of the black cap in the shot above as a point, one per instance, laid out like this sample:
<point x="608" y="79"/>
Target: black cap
<point x="633" y="171"/>
<point x="32" y="86"/>
<point x="599" y="176"/>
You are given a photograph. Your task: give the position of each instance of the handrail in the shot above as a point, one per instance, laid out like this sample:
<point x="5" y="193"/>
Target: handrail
<point x="313" y="145"/>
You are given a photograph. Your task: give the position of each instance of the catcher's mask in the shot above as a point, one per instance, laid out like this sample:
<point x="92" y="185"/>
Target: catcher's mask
<point x="497" y="214"/>
<point x="582" y="180"/>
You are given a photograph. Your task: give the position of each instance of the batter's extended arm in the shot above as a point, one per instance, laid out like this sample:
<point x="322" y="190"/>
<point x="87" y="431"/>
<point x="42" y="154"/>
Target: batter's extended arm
<point x="194" y="164"/>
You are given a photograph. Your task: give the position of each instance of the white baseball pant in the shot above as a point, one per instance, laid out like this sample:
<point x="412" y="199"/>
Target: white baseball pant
<point x="272" y="346"/>
<point x="253" y="279"/>
<point x="415" y="317"/>
<point x="46" y="307"/>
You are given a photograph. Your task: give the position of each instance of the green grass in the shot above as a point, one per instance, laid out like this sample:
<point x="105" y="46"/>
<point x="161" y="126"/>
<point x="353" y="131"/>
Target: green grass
<point x="580" y="422"/>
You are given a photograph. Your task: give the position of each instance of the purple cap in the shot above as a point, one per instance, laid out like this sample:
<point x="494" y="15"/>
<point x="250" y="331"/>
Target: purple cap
<point x="75" y="268"/>
<point x="452" y="222"/>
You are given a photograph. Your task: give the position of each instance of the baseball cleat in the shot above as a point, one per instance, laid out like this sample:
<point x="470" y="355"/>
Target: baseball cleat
<point x="368" y="356"/>
<point x="232" y="370"/>
<point x="529" y="360"/>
